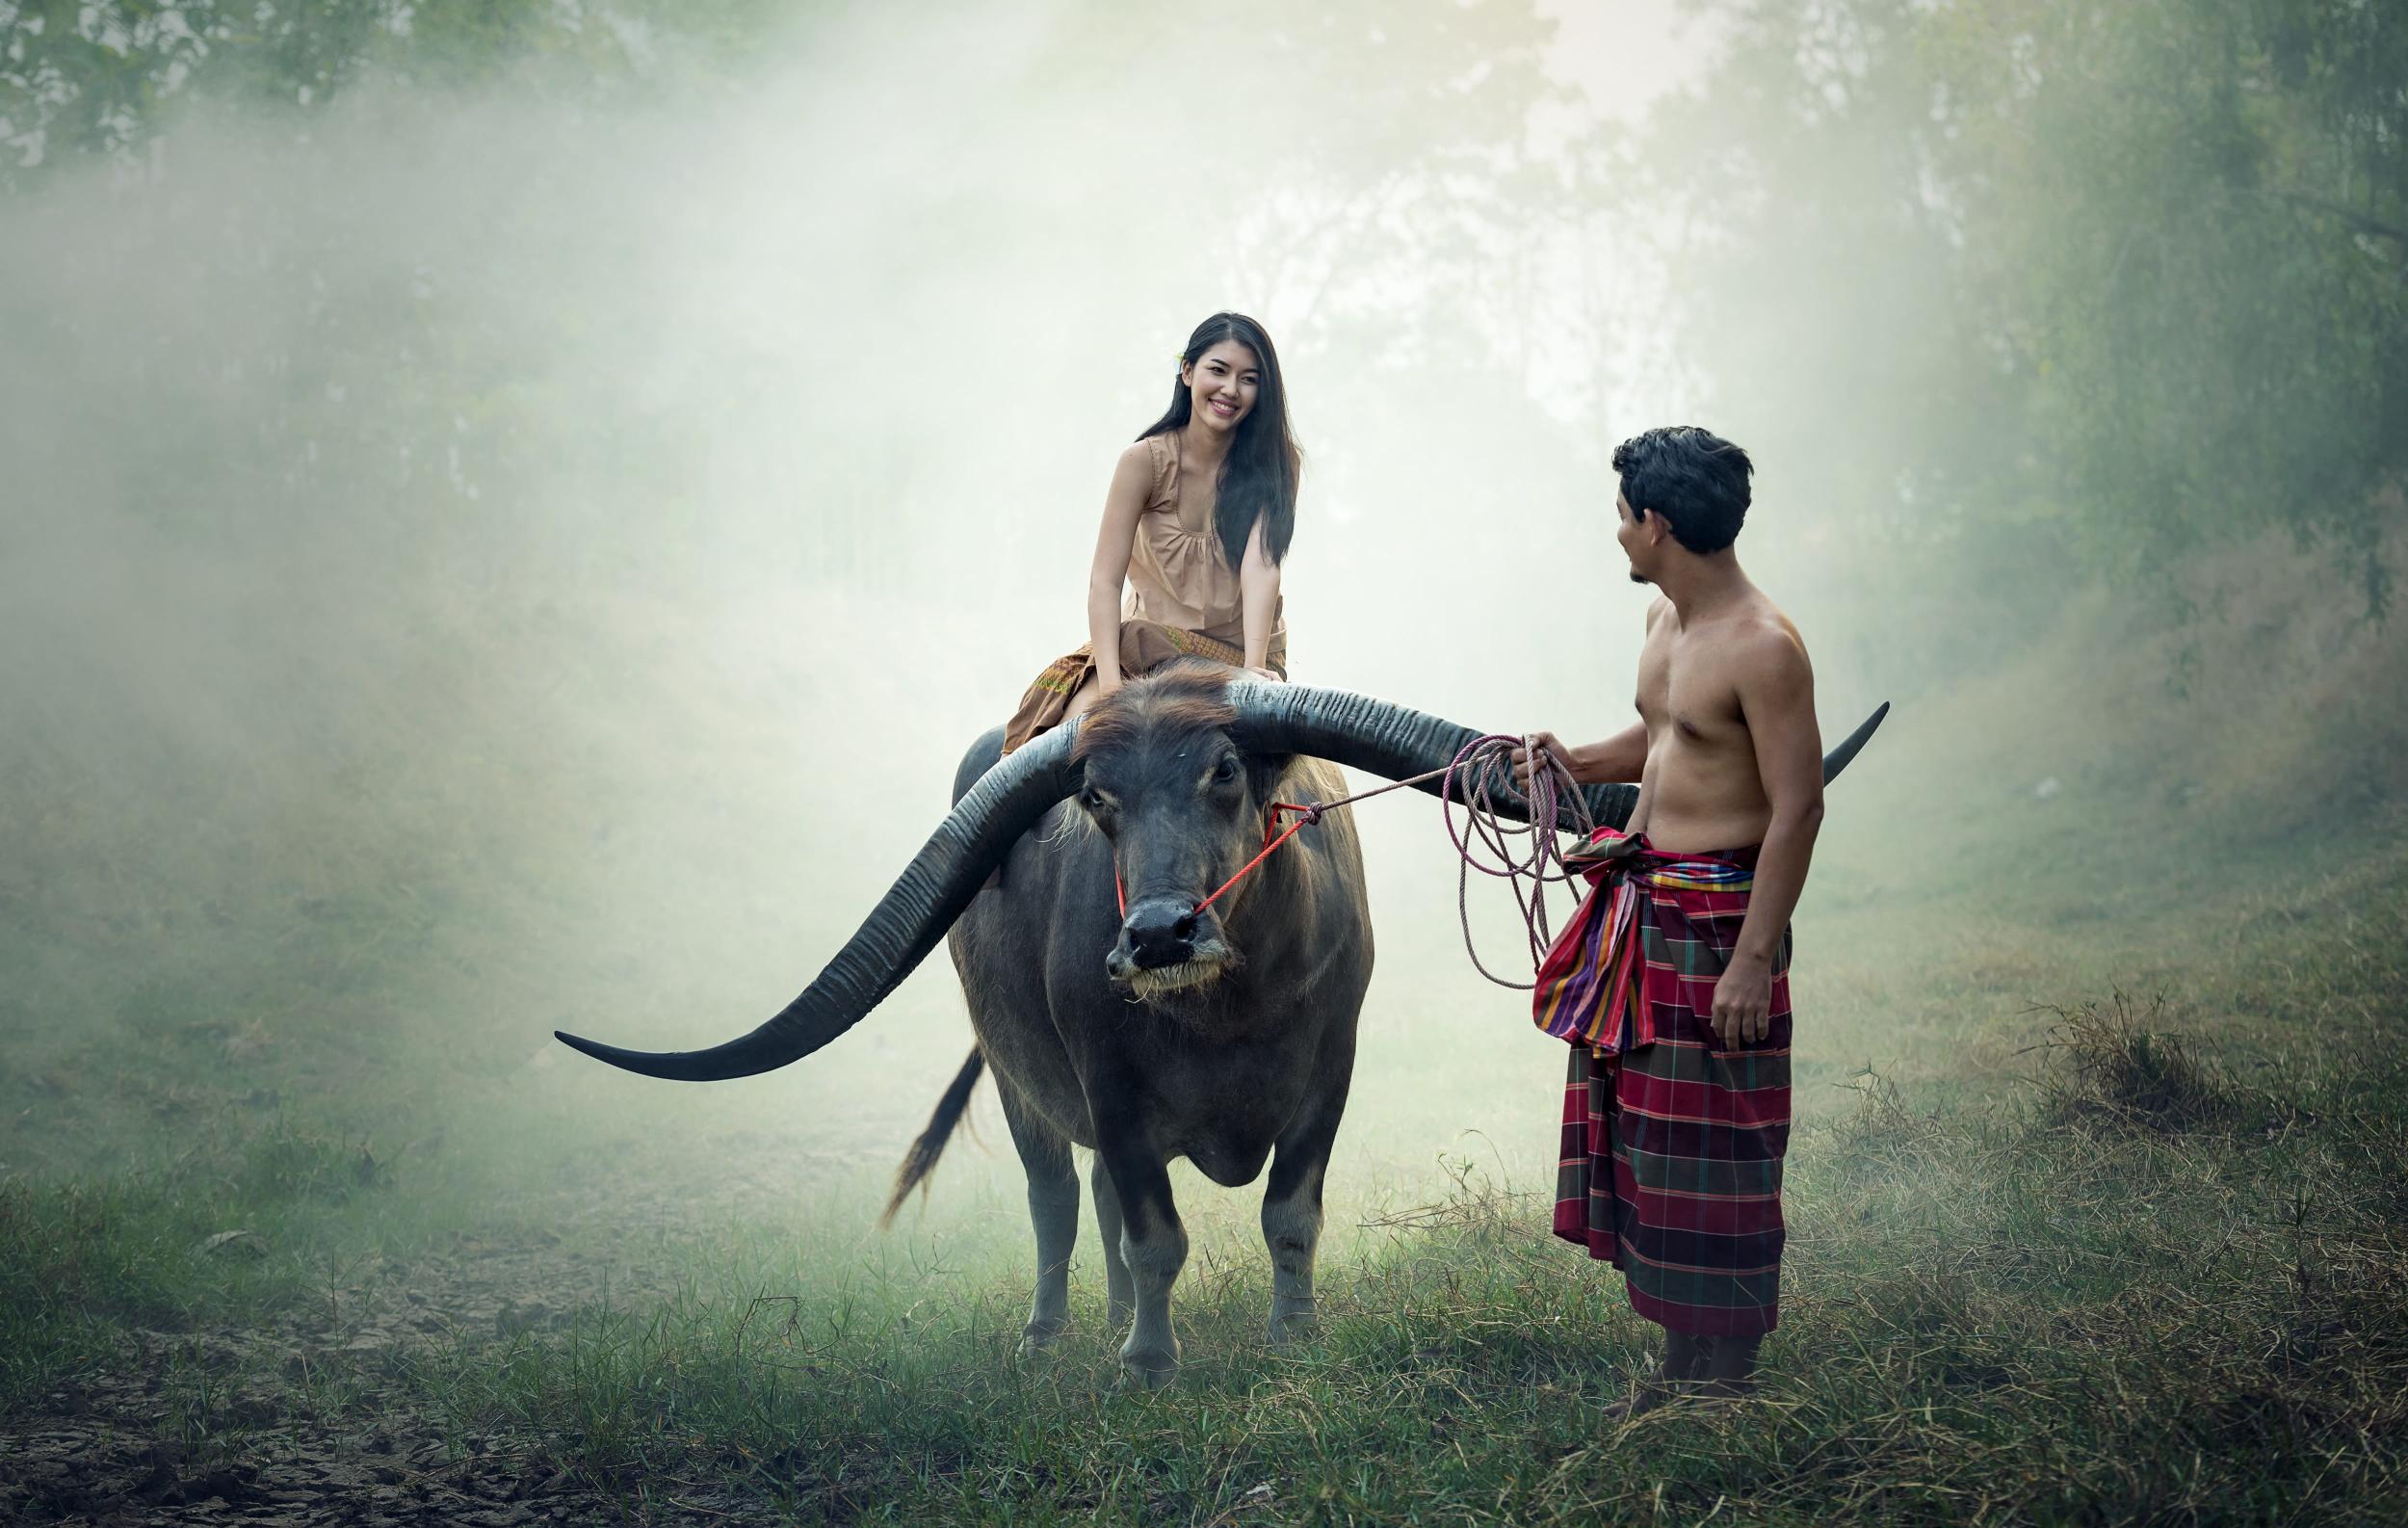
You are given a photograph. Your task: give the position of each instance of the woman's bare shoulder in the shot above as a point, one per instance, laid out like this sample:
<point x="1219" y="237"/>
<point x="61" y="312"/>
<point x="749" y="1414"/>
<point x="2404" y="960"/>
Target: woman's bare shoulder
<point x="1136" y="477"/>
<point x="1145" y="467"/>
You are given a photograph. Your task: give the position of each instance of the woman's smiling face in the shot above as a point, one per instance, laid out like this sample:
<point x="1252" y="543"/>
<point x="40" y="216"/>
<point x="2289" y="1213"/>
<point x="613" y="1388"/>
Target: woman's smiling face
<point x="1223" y="384"/>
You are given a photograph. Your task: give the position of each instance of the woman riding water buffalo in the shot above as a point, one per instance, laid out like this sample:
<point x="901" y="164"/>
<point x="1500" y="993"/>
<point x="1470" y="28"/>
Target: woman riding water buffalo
<point x="1196" y="525"/>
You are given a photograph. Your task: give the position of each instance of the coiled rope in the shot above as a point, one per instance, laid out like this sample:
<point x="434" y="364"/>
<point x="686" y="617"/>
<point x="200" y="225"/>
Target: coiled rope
<point x="1482" y="770"/>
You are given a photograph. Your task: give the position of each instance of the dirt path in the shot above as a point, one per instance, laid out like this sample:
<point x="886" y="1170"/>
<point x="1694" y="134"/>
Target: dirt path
<point x="303" y="1420"/>
<point x="315" y="1415"/>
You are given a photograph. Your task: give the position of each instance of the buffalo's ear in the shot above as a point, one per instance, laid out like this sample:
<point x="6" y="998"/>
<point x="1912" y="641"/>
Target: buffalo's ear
<point x="1264" y="773"/>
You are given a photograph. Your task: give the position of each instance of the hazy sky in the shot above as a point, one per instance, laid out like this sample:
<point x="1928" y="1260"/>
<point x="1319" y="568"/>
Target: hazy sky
<point x="1623" y="54"/>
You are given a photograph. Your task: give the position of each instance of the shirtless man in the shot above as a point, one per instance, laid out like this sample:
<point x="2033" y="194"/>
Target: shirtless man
<point x="1672" y="981"/>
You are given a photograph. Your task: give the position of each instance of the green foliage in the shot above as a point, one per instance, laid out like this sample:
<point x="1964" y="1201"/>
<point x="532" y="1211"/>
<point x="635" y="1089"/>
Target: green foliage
<point x="2061" y="289"/>
<point x="80" y="80"/>
<point x="2193" y="219"/>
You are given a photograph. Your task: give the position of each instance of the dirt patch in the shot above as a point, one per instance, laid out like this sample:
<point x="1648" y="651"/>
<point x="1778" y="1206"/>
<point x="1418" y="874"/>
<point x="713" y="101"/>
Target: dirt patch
<point x="307" y="1419"/>
<point x="329" y="1410"/>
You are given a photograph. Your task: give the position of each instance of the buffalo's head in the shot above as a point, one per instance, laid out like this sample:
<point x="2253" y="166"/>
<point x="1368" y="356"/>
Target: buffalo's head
<point x="1163" y="776"/>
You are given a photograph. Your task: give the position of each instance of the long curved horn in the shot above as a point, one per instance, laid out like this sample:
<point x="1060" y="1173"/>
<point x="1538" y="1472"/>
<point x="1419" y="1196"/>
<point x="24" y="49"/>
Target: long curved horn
<point x="906" y="924"/>
<point x="1397" y="742"/>
<point x="1376" y="736"/>
<point x="1853" y="744"/>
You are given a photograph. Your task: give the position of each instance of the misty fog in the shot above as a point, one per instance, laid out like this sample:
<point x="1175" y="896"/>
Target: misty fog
<point x="481" y="557"/>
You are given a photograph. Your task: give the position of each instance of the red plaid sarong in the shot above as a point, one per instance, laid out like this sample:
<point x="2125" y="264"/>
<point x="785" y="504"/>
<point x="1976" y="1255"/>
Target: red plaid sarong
<point x="1670" y="1166"/>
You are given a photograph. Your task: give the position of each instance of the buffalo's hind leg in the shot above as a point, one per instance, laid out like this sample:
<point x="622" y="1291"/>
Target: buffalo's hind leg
<point x="1052" y="1212"/>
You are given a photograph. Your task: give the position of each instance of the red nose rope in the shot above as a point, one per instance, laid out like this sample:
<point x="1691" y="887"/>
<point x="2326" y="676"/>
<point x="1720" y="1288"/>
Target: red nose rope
<point x="1485" y="766"/>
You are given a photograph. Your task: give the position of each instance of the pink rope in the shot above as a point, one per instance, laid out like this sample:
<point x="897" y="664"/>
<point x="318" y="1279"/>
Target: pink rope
<point x="1485" y="766"/>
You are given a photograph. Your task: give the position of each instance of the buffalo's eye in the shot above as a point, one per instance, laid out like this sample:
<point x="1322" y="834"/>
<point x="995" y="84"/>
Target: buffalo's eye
<point x="1225" y="771"/>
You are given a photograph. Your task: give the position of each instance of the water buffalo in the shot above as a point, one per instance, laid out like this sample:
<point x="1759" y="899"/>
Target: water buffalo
<point x="1115" y="1012"/>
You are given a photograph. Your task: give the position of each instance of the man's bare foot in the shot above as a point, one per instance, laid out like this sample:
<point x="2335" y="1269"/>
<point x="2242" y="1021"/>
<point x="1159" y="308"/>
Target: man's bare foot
<point x="1685" y="1362"/>
<point x="1645" y="1396"/>
<point x="1730" y="1366"/>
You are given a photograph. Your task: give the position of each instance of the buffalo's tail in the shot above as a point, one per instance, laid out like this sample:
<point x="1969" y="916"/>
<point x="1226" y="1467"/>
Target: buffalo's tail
<point x="921" y="1159"/>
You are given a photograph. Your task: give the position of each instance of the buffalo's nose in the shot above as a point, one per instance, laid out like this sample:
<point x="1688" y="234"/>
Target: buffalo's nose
<point x="1158" y="934"/>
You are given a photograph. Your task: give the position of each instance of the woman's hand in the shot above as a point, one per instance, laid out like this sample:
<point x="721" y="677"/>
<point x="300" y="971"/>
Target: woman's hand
<point x="1261" y="672"/>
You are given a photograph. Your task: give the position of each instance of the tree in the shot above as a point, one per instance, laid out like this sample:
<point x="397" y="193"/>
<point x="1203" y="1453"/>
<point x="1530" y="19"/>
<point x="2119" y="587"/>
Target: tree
<point x="2091" y="284"/>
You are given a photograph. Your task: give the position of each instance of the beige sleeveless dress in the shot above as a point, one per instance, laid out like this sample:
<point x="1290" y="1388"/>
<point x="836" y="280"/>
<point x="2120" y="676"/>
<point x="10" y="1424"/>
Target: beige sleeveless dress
<point x="1183" y="600"/>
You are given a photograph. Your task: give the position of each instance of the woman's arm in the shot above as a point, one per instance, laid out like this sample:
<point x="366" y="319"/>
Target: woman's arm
<point x="1258" y="597"/>
<point x="1123" y="502"/>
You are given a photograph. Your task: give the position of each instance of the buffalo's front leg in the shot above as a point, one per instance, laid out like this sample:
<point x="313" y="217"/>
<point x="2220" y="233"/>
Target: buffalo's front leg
<point x="1154" y="1246"/>
<point x="1052" y="1212"/>
<point x="1291" y="1214"/>
<point x="1120" y="1300"/>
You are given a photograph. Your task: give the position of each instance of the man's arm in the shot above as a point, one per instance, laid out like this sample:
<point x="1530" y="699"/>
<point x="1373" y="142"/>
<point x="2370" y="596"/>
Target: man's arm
<point x="1776" y="688"/>
<point x="1618" y="759"/>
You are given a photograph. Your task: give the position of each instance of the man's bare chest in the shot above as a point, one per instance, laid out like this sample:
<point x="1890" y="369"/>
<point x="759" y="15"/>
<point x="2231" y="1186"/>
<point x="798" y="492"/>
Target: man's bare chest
<point x="1684" y="692"/>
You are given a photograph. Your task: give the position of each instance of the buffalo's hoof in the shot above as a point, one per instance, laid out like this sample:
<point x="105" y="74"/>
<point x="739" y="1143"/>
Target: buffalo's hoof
<point x="1147" y="1371"/>
<point x="1036" y="1340"/>
<point x="1290" y="1332"/>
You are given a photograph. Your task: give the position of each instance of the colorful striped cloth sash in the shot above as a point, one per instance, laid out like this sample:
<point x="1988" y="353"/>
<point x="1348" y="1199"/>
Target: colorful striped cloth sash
<point x="1592" y="985"/>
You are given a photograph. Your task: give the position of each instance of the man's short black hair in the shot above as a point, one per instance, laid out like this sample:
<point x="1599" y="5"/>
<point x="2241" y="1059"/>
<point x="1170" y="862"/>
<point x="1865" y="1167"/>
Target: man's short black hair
<point x="1696" y="479"/>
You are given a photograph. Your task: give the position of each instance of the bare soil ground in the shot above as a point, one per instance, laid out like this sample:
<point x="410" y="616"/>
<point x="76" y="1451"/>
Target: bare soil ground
<point x="301" y="1420"/>
<point x="330" y="1408"/>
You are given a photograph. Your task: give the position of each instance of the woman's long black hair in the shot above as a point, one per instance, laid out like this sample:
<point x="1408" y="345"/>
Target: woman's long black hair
<point x="1258" y="478"/>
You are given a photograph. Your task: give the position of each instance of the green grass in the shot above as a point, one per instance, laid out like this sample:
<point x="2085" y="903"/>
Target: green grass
<point x="228" y="1230"/>
<point x="2050" y="1309"/>
<point x="2058" y="1309"/>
